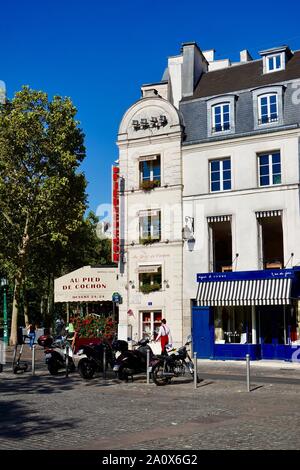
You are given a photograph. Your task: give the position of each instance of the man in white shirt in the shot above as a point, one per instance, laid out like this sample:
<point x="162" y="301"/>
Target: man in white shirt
<point x="164" y="335"/>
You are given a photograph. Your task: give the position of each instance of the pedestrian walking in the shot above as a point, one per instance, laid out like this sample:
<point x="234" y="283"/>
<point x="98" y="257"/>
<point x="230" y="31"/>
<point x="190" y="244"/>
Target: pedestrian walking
<point x="31" y="334"/>
<point x="164" y="334"/>
<point x="60" y="326"/>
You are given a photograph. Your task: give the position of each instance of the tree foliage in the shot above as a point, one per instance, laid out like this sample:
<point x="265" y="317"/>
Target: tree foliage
<point x="42" y="193"/>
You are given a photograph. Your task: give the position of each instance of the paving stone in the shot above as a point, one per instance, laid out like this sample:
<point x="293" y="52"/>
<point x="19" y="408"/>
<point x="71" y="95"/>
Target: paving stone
<point x="55" y="412"/>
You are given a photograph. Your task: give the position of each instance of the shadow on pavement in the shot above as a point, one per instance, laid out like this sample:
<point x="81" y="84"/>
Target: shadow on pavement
<point x="18" y="421"/>
<point x="36" y="384"/>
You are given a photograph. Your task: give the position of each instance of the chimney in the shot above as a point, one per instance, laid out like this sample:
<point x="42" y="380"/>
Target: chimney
<point x="194" y="64"/>
<point x="209" y="55"/>
<point x="245" y="56"/>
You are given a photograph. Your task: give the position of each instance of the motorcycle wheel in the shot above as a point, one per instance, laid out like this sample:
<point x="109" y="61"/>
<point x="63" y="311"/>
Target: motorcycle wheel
<point x="52" y="368"/>
<point x="121" y="374"/>
<point x="86" y="369"/>
<point x="157" y="376"/>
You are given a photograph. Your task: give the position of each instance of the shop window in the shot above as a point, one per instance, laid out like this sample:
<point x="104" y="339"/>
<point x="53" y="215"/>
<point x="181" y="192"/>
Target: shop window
<point x="271" y="242"/>
<point x="150" y="172"/>
<point x="150" y="227"/>
<point x="220" y="246"/>
<point x="150" y="279"/>
<point x="150" y="323"/>
<point x="233" y="325"/>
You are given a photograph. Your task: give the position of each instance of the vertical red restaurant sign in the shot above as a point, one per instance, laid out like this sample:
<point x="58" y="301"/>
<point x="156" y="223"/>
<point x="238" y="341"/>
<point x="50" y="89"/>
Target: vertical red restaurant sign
<point x="115" y="215"/>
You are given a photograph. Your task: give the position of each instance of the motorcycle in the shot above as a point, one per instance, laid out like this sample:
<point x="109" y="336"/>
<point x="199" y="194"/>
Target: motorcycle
<point x="89" y="359"/>
<point x="131" y="362"/>
<point x="55" y="350"/>
<point x="172" y="363"/>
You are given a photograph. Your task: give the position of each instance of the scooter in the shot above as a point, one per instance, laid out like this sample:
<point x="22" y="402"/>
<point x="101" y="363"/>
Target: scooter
<point x="90" y="358"/>
<point x="17" y="365"/>
<point x="131" y="362"/>
<point x="55" y="351"/>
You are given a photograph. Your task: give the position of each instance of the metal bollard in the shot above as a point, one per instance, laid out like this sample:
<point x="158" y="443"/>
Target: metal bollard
<point x="33" y="360"/>
<point x="104" y="362"/>
<point x="148" y="366"/>
<point x="248" y="371"/>
<point x="67" y="360"/>
<point x="195" y="370"/>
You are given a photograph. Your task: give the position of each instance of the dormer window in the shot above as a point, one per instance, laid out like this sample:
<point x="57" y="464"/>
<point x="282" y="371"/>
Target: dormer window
<point x="268" y="108"/>
<point x="275" y="59"/>
<point x="221" y="117"/>
<point x="274" y="62"/>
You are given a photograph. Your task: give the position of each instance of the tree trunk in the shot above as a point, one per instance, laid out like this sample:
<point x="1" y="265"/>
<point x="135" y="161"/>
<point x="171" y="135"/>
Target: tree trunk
<point x="42" y="313"/>
<point x="26" y="310"/>
<point x="19" y="281"/>
<point x="15" y="311"/>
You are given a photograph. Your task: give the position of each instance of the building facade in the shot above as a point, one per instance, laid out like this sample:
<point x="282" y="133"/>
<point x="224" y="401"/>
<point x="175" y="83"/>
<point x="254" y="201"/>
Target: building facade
<point x="229" y="173"/>
<point x="150" y="217"/>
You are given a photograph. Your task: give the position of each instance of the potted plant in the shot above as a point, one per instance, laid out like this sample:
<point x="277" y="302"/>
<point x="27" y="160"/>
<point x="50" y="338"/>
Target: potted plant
<point x="92" y="327"/>
<point x="148" y="240"/>
<point x="148" y="185"/>
<point x="147" y="288"/>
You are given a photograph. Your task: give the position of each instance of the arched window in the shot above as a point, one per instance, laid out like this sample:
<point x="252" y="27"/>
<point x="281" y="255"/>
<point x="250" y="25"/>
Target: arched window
<point x="221" y="117"/>
<point x="268" y="108"/>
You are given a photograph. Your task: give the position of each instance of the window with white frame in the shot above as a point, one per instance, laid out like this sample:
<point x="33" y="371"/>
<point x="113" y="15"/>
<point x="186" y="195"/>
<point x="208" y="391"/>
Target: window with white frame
<point x="268" y="108"/>
<point x="269" y="169"/>
<point x="150" y="323"/>
<point x="221" y="114"/>
<point x="150" y="226"/>
<point x="220" y="175"/>
<point x="150" y="171"/>
<point x="150" y="279"/>
<point x="221" y="117"/>
<point x="274" y="62"/>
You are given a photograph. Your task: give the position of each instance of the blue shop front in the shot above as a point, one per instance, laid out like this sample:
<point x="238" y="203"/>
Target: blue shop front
<point x="247" y="312"/>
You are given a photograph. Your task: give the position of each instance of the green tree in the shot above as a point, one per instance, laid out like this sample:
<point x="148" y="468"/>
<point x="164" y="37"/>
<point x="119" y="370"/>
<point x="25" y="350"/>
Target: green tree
<point x="42" y="193"/>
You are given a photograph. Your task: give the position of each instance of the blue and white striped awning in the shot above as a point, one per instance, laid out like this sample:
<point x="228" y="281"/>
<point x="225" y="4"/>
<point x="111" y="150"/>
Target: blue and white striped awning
<point x="245" y="292"/>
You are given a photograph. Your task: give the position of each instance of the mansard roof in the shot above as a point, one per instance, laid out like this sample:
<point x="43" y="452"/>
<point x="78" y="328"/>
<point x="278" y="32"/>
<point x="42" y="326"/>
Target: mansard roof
<point x="243" y="77"/>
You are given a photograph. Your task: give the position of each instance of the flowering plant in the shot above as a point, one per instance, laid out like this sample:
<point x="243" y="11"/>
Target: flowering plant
<point x="95" y="327"/>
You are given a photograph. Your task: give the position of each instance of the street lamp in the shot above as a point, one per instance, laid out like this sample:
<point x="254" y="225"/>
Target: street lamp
<point x="4" y="285"/>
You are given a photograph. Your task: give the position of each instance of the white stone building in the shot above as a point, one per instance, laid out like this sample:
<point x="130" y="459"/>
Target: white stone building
<point x="212" y="153"/>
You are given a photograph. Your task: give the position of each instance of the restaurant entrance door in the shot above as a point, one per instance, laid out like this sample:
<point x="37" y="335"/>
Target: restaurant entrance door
<point x="273" y="331"/>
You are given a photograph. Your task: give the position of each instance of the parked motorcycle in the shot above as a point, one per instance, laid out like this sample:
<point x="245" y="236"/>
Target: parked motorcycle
<point x="131" y="362"/>
<point x="173" y="363"/>
<point x="55" y="351"/>
<point x="89" y="359"/>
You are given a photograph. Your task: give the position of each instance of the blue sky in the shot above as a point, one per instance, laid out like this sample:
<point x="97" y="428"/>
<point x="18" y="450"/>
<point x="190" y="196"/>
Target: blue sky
<point x="100" y="53"/>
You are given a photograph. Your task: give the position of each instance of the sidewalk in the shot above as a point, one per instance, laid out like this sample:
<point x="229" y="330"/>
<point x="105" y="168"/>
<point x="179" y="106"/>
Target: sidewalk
<point x="273" y="364"/>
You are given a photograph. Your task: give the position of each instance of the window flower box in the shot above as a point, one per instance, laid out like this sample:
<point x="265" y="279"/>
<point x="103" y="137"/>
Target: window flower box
<point x="149" y="185"/>
<point x="147" y="288"/>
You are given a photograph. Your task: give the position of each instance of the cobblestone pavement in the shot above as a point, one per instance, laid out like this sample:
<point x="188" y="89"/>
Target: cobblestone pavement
<point x="45" y="412"/>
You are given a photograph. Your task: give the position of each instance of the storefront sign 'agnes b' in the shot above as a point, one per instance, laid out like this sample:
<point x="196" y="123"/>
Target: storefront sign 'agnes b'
<point x="86" y="284"/>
